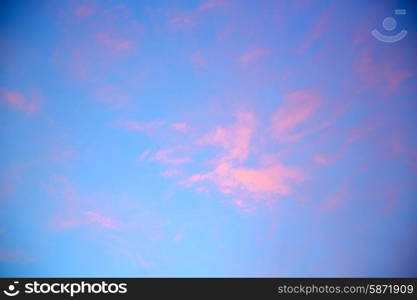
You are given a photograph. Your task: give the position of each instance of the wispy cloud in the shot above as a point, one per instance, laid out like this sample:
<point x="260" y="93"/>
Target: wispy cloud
<point x="171" y="156"/>
<point x="18" y="101"/>
<point x="198" y="60"/>
<point x="252" y="55"/>
<point x="181" y="126"/>
<point x="384" y="71"/>
<point x="134" y="125"/>
<point x="114" y="42"/>
<point x="260" y="183"/>
<point x="101" y="220"/>
<point x="319" y="27"/>
<point x="296" y="109"/>
<point x="211" y="4"/>
<point x="231" y="176"/>
<point x="189" y="19"/>
<point x="85" y="10"/>
<point x="76" y="209"/>
<point x="322" y="160"/>
<point x="234" y="139"/>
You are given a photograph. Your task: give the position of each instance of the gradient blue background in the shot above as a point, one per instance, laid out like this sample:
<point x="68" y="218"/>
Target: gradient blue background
<point x="207" y="138"/>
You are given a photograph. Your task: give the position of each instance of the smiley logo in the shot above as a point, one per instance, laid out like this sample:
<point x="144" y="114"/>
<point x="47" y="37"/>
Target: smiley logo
<point x="11" y="291"/>
<point x="389" y="24"/>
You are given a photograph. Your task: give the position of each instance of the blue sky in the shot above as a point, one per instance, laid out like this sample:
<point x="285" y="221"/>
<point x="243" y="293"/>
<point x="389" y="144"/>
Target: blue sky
<point x="207" y="138"/>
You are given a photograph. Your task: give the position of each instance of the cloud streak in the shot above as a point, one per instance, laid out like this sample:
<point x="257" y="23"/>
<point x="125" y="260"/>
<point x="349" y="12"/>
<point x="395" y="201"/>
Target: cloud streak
<point x="29" y="105"/>
<point x="297" y="108"/>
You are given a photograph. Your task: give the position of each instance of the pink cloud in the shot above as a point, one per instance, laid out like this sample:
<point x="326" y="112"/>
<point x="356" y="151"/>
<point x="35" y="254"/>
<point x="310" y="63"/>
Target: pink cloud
<point x="212" y="4"/>
<point x="242" y="205"/>
<point x="74" y="209"/>
<point x="318" y="29"/>
<point x="93" y="40"/>
<point x="83" y="218"/>
<point x="114" y="42"/>
<point x="66" y="223"/>
<point x="121" y="246"/>
<point x="178" y="237"/>
<point x="262" y="182"/>
<point x="83" y="11"/>
<point x="362" y="130"/>
<point x="183" y="20"/>
<point x="171" y="173"/>
<point x="396" y="144"/>
<point x="296" y="109"/>
<point x="133" y="125"/>
<point x="384" y="71"/>
<point x="235" y="139"/>
<point x="198" y="60"/>
<point x="29" y="105"/>
<point x="272" y="180"/>
<point x="252" y="55"/>
<point x="190" y="19"/>
<point x="322" y="160"/>
<point x="168" y="156"/>
<point x="201" y="190"/>
<point x="181" y="126"/>
<point x="229" y="174"/>
<point x="117" y="12"/>
<point x="63" y="155"/>
<point x="335" y="200"/>
<point x="339" y="196"/>
<point x="392" y="196"/>
<point x="103" y="221"/>
<point x="144" y="155"/>
<point x="112" y="95"/>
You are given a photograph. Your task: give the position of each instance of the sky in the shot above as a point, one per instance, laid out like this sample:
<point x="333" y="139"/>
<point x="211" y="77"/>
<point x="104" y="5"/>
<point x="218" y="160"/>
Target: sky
<point x="208" y="138"/>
